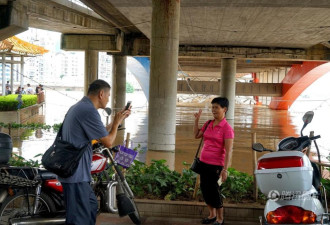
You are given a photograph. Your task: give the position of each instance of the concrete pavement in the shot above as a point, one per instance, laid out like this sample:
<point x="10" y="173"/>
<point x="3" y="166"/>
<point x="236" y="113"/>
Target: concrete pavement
<point x="114" y="219"/>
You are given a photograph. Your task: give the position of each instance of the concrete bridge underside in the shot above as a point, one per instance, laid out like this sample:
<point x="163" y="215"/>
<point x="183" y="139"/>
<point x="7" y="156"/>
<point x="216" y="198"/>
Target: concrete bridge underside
<point x="208" y="40"/>
<point x="261" y="39"/>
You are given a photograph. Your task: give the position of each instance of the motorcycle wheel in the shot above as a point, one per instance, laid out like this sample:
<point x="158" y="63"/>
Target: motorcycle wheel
<point x="17" y="206"/>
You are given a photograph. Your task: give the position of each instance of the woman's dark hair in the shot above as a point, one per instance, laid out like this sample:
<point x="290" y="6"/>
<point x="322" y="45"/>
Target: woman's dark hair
<point x="96" y="86"/>
<point x="222" y="101"/>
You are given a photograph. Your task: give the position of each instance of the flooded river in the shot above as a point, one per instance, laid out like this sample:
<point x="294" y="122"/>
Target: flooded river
<point x="269" y="125"/>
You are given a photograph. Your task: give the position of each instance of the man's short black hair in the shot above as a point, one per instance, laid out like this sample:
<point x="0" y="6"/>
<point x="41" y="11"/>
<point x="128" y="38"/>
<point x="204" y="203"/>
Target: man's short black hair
<point x="222" y="101"/>
<point x="96" y="86"/>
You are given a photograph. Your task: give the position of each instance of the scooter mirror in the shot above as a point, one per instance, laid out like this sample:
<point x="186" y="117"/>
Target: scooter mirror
<point x="258" y="147"/>
<point x="108" y="111"/>
<point x="307" y="118"/>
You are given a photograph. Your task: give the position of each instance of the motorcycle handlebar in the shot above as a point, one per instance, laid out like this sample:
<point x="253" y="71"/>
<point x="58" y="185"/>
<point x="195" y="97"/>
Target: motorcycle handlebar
<point x="315" y="137"/>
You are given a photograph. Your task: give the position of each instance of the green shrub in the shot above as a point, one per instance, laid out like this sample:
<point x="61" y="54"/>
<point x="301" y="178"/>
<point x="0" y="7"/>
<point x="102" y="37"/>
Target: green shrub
<point x="9" y="102"/>
<point x="157" y="181"/>
<point x="17" y="160"/>
<point x="326" y="182"/>
<point x="238" y="185"/>
<point x="154" y="181"/>
<point x="31" y="126"/>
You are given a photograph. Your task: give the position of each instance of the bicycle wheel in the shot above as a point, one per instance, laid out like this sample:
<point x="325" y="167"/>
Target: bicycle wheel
<point x="19" y="205"/>
<point x="134" y="216"/>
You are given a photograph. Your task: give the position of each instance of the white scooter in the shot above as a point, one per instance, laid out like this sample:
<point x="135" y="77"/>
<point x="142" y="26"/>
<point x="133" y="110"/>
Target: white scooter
<point x="291" y="182"/>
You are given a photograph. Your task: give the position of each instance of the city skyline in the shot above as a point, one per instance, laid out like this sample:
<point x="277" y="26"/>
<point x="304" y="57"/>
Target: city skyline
<point x="58" y="66"/>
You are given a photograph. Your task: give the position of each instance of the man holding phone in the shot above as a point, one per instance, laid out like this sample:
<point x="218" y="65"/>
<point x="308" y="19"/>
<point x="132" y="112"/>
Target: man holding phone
<point x="83" y="124"/>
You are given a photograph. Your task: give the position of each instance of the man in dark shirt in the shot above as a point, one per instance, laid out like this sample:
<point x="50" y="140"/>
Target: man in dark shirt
<point x="83" y="124"/>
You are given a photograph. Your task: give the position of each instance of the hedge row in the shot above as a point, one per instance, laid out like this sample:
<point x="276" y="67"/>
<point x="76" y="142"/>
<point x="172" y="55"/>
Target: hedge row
<point x="10" y="102"/>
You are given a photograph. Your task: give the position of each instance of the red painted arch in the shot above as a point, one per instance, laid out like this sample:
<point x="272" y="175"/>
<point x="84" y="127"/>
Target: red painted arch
<point x="301" y="82"/>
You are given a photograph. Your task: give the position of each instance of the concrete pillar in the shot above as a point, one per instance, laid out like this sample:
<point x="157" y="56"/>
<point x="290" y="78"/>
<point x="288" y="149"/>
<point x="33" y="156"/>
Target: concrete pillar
<point x="12" y="75"/>
<point x="22" y="71"/>
<point x="228" y="85"/>
<point x="163" y="74"/>
<point x="282" y="74"/>
<point x="3" y="75"/>
<point x="91" y="68"/>
<point x="118" y="89"/>
<point x="271" y="75"/>
<point x="17" y="73"/>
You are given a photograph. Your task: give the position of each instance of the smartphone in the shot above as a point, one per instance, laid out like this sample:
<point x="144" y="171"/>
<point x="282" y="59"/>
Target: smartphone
<point x="128" y="105"/>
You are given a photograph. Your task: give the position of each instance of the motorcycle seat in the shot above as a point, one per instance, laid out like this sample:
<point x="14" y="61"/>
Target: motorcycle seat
<point x="46" y="175"/>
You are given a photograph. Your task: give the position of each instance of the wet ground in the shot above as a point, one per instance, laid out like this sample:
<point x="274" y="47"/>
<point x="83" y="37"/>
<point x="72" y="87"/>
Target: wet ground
<point x="112" y="219"/>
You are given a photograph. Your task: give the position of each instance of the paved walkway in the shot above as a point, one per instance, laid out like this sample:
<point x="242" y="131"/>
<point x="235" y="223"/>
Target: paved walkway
<point x="114" y="219"/>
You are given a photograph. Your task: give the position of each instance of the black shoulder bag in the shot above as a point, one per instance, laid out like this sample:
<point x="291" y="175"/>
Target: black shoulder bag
<point x="62" y="158"/>
<point x="196" y="166"/>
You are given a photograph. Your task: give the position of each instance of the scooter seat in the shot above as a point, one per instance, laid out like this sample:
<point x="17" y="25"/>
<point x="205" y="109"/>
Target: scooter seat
<point x="294" y="143"/>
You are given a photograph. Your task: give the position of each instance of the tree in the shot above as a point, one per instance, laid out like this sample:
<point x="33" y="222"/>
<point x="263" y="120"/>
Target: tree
<point x="129" y="88"/>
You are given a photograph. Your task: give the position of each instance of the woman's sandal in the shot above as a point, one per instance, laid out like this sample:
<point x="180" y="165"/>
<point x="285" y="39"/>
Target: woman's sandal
<point x="208" y="220"/>
<point x="217" y="223"/>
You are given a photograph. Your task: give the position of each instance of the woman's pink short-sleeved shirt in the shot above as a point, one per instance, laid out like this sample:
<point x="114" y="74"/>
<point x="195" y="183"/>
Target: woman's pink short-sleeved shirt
<point x="214" y="151"/>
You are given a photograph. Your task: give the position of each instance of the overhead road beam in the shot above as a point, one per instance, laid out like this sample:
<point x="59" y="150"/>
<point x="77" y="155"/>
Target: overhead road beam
<point x="112" y="15"/>
<point x="106" y="43"/>
<point x="13" y="19"/>
<point x="76" y="7"/>
<point x="242" y="89"/>
<point x="320" y="51"/>
<point x="214" y="64"/>
<point x="140" y="46"/>
<point x="51" y="15"/>
<point x="320" y="54"/>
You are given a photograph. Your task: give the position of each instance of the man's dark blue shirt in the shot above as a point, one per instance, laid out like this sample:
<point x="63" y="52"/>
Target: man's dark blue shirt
<point x="81" y="125"/>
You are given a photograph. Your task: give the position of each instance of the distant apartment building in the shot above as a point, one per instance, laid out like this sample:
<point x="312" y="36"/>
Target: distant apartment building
<point x="58" y="67"/>
<point x="7" y="72"/>
<point x="105" y="66"/>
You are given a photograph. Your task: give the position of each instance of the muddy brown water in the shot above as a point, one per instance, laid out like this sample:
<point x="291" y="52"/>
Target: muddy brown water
<point x="269" y="125"/>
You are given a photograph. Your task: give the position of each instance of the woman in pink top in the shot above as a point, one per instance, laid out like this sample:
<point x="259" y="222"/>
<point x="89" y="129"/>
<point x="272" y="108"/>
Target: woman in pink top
<point x="215" y="157"/>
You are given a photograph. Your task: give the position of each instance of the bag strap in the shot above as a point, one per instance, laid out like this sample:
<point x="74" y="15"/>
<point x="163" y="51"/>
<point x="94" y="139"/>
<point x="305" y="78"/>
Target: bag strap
<point x="59" y="134"/>
<point x="200" y="143"/>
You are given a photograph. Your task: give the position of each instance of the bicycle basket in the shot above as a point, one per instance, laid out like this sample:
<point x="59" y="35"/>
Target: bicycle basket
<point x="125" y="156"/>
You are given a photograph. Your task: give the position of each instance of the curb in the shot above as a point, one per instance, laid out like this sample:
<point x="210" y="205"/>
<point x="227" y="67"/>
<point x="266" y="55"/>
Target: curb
<point x="187" y="209"/>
